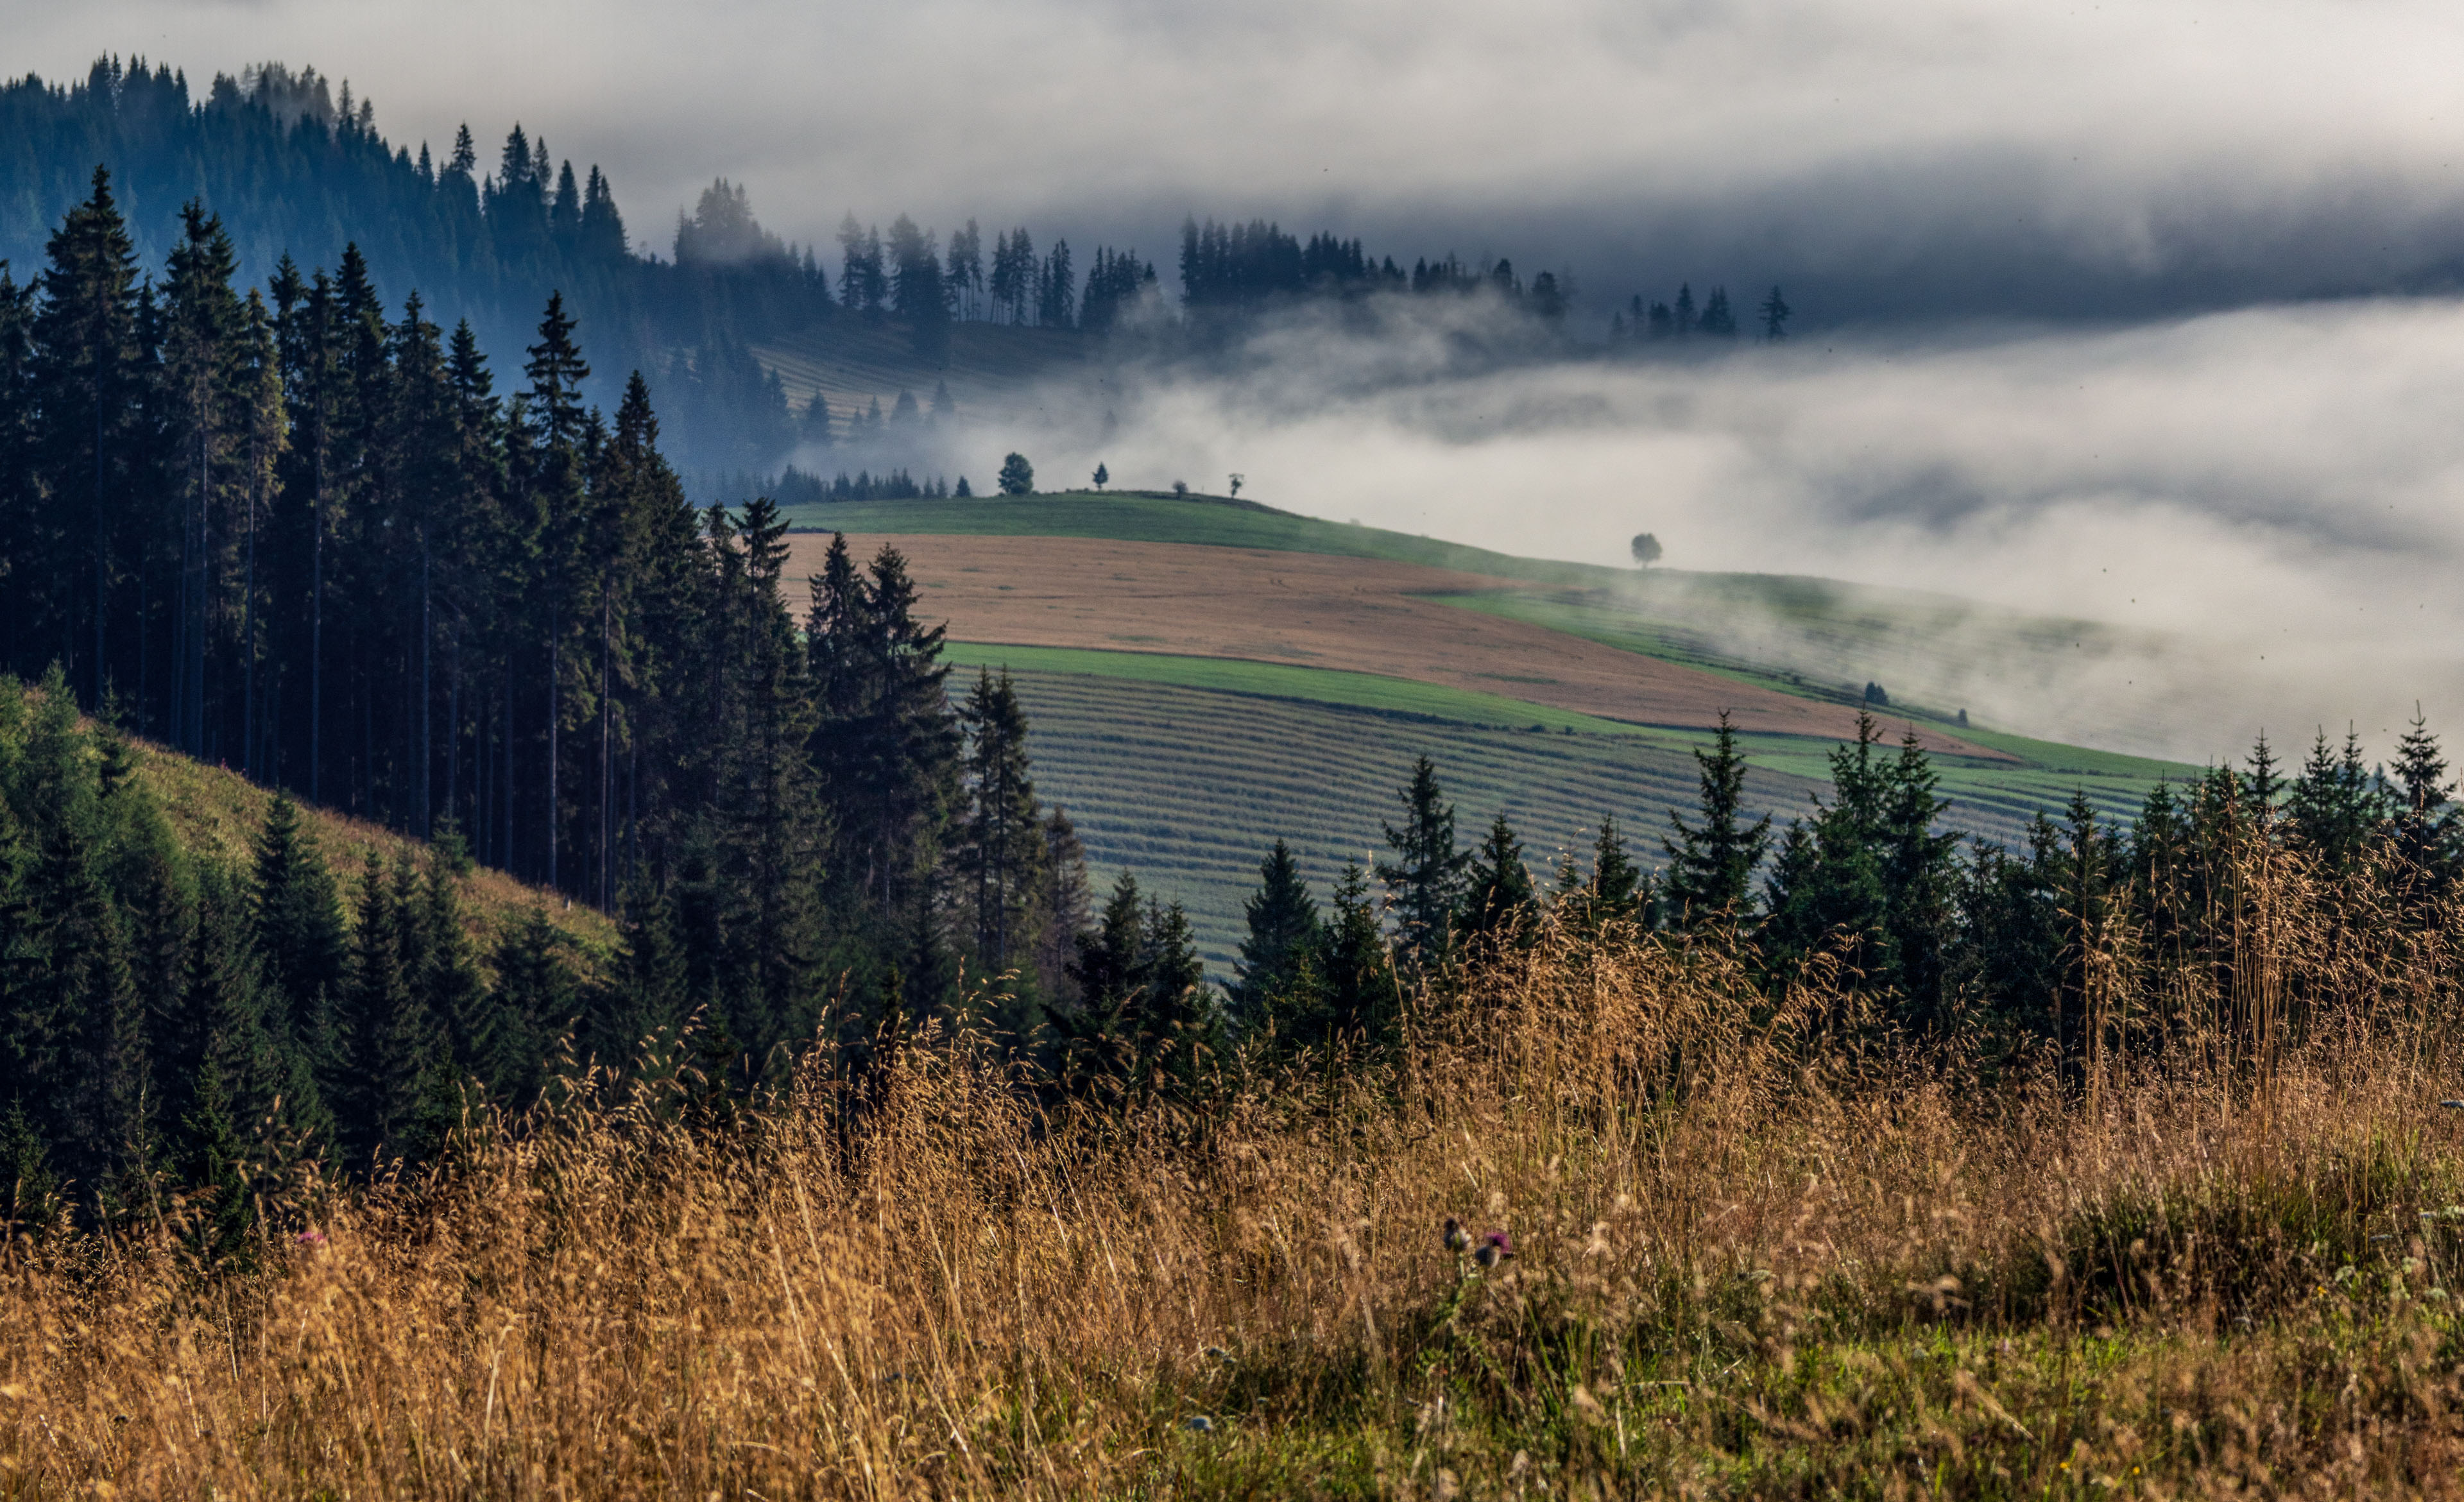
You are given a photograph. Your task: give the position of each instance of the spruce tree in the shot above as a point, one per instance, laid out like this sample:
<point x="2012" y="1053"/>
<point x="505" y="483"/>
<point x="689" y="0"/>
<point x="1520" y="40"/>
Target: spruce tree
<point x="1619" y="891"/>
<point x="646" y="1003"/>
<point x="533" y="1004"/>
<point x="392" y="1041"/>
<point x="1101" y="1033"/>
<point x="2427" y="828"/>
<point x="298" y="918"/>
<point x="1363" y="998"/>
<point x="1425" y="882"/>
<point x="1919" y="868"/>
<point x="1067" y="903"/>
<point x="1828" y="888"/>
<point x="1711" y="862"/>
<point x="999" y="857"/>
<point x="204" y="380"/>
<point x="90" y="368"/>
<point x="1501" y="902"/>
<point x="1285" y="933"/>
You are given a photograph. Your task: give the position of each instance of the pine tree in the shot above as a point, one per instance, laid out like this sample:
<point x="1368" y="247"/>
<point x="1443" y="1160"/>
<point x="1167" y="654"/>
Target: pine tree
<point x="1425" y="880"/>
<point x="90" y="370"/>
<point x="1284" y="934"/>
<point x="998" y="855"/>
<point x="1500" y="901"/>
<point x="298" y="918"/>
<point x="1710" y="863"/>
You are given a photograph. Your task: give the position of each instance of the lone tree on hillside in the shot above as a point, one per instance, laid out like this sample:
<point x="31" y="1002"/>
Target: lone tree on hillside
<point x="1017" y="476"/>
<point x="1646" y="549"/>
<point x="1236" y="485"/>
<point x="1103" y="477"/>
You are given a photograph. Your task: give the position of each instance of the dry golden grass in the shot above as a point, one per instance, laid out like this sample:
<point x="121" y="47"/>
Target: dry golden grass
<point x="1756" y="1255"/>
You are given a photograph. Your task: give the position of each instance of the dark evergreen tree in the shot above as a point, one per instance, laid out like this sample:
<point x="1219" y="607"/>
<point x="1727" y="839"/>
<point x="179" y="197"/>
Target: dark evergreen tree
<point x="1285" y="934"/>
<point x="1425" y="881"/>
<point x="1363" y="998"/>
<point x="1711" y="862"/>
<point x="89" y="373"/>
<point x="998" y="853"/>
<point x="1499" y="903"/>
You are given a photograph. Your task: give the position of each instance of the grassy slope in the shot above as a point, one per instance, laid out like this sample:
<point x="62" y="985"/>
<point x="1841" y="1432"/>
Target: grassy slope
<point x="1183" y="768"/>
<point x="217" y="813"/>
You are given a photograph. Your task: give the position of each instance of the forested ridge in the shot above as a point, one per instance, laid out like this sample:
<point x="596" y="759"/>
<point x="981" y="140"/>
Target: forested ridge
<point x="294" y="172"/>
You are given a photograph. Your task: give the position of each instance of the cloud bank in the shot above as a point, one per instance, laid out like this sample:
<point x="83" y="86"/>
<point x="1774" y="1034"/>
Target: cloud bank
<point x="1941" y="156"/>
<point x="2259" y="508"/>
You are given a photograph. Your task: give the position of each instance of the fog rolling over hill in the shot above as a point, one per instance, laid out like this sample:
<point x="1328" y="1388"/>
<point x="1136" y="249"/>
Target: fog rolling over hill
<point x="2162" y="538"/>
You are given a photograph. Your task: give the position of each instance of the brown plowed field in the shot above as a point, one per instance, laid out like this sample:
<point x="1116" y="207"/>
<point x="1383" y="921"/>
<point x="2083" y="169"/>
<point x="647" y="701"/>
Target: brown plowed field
<point x="1313" y="610"/>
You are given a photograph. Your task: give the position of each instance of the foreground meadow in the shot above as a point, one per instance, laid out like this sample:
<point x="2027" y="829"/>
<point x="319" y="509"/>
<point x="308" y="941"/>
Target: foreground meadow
<point x="1756" y="1248"/>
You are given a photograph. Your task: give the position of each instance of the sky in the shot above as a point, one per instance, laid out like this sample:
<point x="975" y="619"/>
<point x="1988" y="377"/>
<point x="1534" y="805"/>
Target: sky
<point x="2138" y="313"/>
<point x="2023" y="158"/>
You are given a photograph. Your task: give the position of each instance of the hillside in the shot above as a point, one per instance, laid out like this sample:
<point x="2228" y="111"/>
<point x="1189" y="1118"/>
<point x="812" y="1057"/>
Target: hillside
<point x="1809" y="637"/>
<point x="1206" y="676"/>
<point x="1185" y="785"/>
<point x="1308" y="610"/>
<point x="217" y="813"/>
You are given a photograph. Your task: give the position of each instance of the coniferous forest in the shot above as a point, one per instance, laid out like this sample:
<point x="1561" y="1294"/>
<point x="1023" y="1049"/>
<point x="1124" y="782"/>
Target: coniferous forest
<point x="296" y="173"/>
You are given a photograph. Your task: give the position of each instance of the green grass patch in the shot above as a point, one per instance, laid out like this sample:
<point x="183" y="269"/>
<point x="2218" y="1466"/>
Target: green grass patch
<point x="1317" y="685"/>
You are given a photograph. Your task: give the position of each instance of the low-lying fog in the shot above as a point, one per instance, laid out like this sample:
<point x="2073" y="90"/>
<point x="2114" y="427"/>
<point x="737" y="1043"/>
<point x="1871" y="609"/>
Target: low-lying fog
<point x="2261" y="507"/>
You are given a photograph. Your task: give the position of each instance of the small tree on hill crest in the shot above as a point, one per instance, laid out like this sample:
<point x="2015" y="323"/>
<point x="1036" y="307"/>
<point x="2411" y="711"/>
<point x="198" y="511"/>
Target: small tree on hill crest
<point x="1646" y="549"/>
<point x="1017" y="476"/>
<point x="1103" y="477"/>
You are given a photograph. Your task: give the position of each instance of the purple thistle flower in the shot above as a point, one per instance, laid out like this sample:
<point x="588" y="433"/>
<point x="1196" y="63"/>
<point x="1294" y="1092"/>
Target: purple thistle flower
<point x="1494" y="1247"/>
<point x="1458" y="1239"/>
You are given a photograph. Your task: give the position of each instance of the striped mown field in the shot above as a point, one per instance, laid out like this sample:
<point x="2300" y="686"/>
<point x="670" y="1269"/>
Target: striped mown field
<point x="1187" y="786"/>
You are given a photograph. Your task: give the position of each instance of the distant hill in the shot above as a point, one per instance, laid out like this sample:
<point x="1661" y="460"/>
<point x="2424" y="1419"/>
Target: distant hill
<point x="1190" y="705"/>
